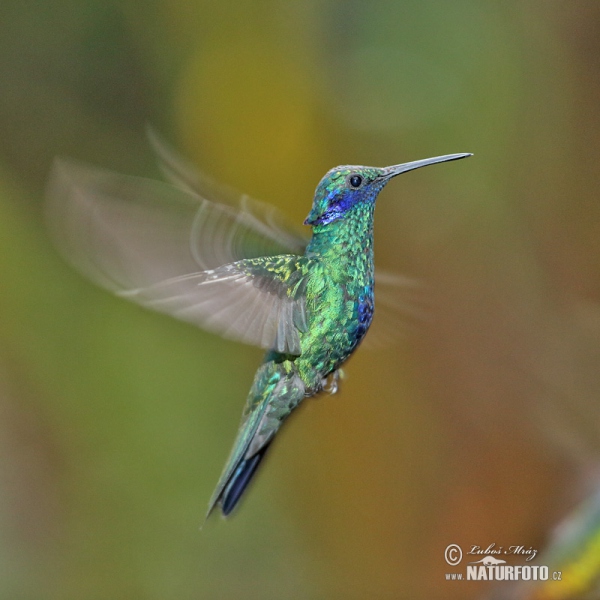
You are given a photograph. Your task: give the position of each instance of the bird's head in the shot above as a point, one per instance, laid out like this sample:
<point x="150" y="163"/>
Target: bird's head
<point x="344" y="188"/>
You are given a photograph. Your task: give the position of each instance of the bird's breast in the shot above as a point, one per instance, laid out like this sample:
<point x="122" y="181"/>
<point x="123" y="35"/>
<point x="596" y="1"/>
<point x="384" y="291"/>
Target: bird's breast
<point x="341" y="320"/>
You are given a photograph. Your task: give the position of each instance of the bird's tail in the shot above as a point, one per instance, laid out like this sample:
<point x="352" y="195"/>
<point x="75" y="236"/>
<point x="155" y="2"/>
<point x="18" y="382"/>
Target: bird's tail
<point x="276" y="391"/>
<point x="239" y="480"/>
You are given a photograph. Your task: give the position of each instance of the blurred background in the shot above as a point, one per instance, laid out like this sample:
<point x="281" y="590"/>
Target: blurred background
<point x="480" y="426"/>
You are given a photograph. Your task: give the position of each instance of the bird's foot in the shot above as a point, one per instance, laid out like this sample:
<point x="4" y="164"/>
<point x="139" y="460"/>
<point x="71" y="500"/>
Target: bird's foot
<point x="330" y="383"/>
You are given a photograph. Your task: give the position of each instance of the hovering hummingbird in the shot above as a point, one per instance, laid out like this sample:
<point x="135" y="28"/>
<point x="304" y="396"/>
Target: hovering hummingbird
<point x="240" y="272"/>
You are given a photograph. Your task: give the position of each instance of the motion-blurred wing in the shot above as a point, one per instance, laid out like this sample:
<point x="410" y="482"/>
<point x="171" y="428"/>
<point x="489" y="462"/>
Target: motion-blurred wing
<point x="259" y="301"/>
<point x="174" y="228"/>
<point x="399" y="304"/>
<point x="122" y="232"/>
<point x="222" y="234"/>
<point x="217" y="230"/>
<point x="147" y="241"/>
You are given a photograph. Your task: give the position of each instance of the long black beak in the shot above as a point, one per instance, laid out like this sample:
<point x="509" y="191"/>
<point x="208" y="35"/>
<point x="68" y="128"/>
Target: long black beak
<point x="390" y="172"/>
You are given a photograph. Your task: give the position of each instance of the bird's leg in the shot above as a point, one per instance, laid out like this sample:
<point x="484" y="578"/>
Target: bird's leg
<point x="331" y="382"/>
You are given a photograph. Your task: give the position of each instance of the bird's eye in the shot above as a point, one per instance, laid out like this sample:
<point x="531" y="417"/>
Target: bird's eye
<point x="355" y="181"/>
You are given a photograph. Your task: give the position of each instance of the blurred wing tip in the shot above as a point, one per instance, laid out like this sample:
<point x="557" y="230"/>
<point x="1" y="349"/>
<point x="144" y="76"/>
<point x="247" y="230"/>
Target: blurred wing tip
<point x="58" y="178"/>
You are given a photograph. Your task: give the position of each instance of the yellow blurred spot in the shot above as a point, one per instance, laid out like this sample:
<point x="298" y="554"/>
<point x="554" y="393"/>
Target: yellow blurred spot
<point x="578" y="577"/>
<point x="245" y="112"/>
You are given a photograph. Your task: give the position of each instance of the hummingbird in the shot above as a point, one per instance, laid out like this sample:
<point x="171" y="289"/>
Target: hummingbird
<point x="241" y="272"/>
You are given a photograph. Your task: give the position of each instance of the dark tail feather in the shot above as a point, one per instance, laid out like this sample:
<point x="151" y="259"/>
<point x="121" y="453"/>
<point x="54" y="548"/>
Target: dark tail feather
<point x="239" y="481"/>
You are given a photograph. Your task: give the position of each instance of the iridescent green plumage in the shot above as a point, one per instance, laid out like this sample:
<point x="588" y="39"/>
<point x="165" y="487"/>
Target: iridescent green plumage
<point x="239" y="272"/>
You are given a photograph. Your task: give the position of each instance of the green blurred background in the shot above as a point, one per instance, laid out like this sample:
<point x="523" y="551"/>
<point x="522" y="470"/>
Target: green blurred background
<point x="479" y="426"/>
